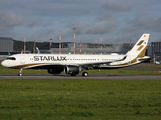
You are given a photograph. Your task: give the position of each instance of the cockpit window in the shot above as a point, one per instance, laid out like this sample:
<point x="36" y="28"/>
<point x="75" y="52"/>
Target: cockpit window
<point x="11" y="58"/>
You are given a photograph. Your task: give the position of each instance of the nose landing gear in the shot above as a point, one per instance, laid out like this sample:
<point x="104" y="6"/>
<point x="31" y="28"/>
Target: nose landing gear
<point x="20" y="72"/>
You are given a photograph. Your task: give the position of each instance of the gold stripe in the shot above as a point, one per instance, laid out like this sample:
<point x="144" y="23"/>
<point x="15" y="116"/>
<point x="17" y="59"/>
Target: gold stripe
<point x="140" y="48"/>
<point x="142" y="54"/>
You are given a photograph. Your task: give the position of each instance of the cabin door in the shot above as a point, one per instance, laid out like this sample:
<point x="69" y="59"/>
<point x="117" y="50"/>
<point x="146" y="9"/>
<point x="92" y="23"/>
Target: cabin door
<point x="22" y="59"/>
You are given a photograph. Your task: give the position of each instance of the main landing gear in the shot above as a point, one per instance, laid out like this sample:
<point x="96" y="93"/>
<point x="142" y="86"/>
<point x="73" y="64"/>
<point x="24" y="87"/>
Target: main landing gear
<point x="85" y="74"/>
<point x="20" y="72"/>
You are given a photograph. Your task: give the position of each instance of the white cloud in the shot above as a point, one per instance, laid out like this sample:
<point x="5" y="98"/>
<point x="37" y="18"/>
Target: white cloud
<point x="118" y="20"/>
<point x="117" y="6"/>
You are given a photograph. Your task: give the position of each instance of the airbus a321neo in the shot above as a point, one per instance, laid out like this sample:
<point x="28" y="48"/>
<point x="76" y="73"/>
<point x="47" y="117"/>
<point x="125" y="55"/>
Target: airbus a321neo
<point x="74" y="63"/>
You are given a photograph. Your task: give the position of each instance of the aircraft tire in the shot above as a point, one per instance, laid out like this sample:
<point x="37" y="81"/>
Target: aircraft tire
<point x="20" y="74"/>
<point x="85" y="74"/>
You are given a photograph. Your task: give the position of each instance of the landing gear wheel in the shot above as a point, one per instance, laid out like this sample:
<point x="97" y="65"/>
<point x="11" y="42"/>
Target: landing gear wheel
<point x="85" y="74"/>
<point x="20" y="74"/>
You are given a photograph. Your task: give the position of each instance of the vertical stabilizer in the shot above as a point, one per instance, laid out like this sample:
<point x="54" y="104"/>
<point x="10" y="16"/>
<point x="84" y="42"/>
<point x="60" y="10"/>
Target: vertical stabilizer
<point x="139" y="48"/>
<point x="135" y="54"/>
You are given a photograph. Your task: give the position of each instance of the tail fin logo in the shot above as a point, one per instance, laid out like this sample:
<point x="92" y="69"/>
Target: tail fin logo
<point x="140" y="48"/>
<point x="140" y="42"/>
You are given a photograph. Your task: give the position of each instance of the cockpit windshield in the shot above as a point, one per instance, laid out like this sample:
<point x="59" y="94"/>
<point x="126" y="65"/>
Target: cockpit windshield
<point x="11" y="58"/>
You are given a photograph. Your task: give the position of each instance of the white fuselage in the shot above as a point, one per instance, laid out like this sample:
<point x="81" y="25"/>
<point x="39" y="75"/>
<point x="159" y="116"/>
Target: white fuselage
<point x="32" y="60"/>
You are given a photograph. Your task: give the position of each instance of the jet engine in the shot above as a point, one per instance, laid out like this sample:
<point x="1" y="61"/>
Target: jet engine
<point x="73" y="70"/>
<point x="55" y="70"/>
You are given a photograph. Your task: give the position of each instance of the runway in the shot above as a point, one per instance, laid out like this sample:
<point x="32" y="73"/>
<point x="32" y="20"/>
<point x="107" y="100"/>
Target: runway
<point x="91" y="76"/>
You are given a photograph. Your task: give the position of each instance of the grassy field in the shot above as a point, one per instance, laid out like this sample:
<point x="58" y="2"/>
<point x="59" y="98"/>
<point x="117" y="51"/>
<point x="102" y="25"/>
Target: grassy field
<point x="112" y="71"/>
<point x="57" y="99"/>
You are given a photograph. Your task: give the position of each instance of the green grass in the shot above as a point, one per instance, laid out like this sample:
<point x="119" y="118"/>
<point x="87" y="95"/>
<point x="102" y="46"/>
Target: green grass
<point x="112" y="71"/>
<point x="57" y="99"/>
<point x="150" y="65"/>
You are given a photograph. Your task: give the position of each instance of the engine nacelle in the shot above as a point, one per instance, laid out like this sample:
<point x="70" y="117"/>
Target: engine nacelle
<point x="55" y="70"/>
<point x="69" y="69"/>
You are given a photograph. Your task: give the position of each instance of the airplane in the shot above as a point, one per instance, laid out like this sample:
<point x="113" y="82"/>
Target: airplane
<point x="74" y="63"/>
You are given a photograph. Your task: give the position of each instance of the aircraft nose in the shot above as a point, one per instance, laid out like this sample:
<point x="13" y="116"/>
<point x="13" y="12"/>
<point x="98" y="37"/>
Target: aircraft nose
<point x="4" y="64"/>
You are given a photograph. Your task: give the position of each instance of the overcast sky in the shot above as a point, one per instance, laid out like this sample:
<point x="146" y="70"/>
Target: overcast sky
<point x="119" y="21"/>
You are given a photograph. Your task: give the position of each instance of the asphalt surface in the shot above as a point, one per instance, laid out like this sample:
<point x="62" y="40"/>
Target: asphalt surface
<point x="64" y="76"/>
